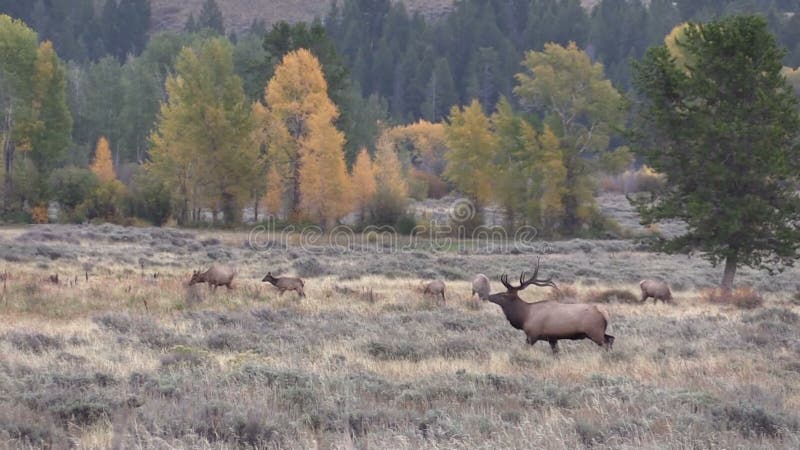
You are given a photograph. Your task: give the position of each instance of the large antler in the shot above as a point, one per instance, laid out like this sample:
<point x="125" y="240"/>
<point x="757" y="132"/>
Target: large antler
<point x="523" y="283"/>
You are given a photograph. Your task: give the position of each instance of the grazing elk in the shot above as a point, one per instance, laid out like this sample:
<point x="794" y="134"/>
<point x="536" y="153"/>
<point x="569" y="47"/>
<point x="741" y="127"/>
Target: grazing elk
<point x="657" y="289"/>
<point x="285" y="284"/>
<point x="217" y="275"/>
<point x="549" y="320"/>
<point x="481" y="286"/>
<point x="435" y="288"/>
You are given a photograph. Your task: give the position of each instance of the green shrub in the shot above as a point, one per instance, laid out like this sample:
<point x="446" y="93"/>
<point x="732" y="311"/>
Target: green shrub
<point x="72" y="186"/>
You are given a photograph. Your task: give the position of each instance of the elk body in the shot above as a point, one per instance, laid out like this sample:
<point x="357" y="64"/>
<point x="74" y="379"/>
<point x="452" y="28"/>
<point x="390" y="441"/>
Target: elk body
<point x="657" y="289"/>
<point x="549" y="320"/>
<point x="285" y="284"/>
<point x="481" y="286"/>
<point x="218" y="275"/>
<point x="435" y="288"/>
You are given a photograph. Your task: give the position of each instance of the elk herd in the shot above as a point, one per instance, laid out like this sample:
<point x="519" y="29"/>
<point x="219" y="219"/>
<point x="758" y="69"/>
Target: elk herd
<point x="548" y="320"/>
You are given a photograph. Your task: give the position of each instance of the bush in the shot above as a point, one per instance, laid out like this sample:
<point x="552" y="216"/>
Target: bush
<point x="388" y="351"/>
<point x="611" y="296"/>
<point x="33" y="342"/>
<point x="105" y="202"/>
<point x="563" y="292"/>
<point x="71" y="186"/>
<point x="150" y="199"/>
<point x="743" y="298"/>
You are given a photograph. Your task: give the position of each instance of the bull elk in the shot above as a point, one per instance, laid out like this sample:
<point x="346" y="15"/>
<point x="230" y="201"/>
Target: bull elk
<point x="285" y="284"/>
<point x="217" y="275"/>
<point x="657" y="289"/>
<point x="549" y="320"/>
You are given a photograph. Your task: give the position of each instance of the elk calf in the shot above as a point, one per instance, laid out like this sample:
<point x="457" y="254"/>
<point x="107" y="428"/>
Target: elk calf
<point x="481" y="286"/>
<point x="657" y="289"/>
<point x="285" y="284"/>
<point x="435" y="288"/>
<point x="549" y="320"/>
<point x="218" y="275"/>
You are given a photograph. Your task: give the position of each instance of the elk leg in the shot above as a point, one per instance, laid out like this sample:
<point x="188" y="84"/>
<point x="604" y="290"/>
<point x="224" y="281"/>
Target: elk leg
<point x="280" y="292"/>
<point x="444" y="300"/>
<point x="554" y="346"/>
<point x="229" y="286"/>
<point x="609" y="341"/>
<point x="530" y="340"/>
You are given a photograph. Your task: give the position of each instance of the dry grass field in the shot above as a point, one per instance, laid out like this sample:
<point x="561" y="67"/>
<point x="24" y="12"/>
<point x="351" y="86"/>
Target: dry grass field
<point x="129" y="360"/>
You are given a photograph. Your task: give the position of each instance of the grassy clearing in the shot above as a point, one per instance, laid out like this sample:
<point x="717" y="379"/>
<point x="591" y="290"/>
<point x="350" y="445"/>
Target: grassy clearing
<point x="366" y="361"/>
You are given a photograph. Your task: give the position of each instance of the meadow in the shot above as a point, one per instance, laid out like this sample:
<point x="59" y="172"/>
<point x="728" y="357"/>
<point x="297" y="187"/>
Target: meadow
<point x="121" y="353"/>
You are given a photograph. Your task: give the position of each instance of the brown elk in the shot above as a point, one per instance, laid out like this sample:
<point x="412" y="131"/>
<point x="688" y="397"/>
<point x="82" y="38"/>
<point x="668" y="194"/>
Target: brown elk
<point x="217" y="275"/>
<point x="285" y="284"/>
<point x="657" y="289"/>
<point x="481" y="286"/>
<point x="549" y="320"/>
<point x="435" y="288"/>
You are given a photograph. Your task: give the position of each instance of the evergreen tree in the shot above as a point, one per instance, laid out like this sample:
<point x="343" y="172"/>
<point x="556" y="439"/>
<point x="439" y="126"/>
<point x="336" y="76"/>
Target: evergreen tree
<point x="211" y="17"/>
<point x="724" y="133"/>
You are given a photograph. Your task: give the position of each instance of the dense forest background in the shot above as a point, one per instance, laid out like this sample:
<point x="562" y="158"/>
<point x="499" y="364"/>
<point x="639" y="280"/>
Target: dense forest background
<point x="384" y="66"/>
<point x="392" y="65"/>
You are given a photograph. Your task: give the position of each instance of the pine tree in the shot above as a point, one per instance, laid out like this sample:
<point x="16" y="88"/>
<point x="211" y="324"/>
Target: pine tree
<point x="724" y="131"/>
<point x="211" y="17"/>
<point x="103" y="165"/>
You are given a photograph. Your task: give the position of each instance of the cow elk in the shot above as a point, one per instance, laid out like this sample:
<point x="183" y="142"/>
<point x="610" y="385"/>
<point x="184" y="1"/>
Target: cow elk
<point x="435" y="288"/>
<point x="217" y="275"/>
<point x="549" y="320"/>
<point x="481" y="286"/>
<point x="657" y="289"/>
<point x="285" y="284"/>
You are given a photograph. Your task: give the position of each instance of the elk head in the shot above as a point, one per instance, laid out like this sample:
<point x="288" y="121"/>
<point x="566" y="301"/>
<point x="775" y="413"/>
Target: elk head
<point x="511" y="290"/>
<point x="268" y="278"/>
<point x="196" y="278"/>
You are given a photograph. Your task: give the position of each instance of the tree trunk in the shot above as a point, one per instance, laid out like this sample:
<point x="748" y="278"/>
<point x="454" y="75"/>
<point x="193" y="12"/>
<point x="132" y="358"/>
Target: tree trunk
<point x="730" y="270"/>
<point x="8" y="158"/>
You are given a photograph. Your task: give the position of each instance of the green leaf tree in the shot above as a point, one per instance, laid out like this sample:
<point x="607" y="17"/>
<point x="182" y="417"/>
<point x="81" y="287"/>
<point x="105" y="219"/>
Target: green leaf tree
<point x="202" y="146"/>
<point x="582" y="108"/>
<point x="724" y="131"/>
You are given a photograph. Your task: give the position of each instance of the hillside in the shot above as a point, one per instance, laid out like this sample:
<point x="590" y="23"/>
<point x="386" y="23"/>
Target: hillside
<point x="239" y="14"/>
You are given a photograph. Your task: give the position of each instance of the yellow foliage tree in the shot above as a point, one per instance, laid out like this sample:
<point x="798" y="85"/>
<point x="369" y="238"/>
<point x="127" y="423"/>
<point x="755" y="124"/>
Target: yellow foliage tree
<point x="391" y="195"/>
<point x="272" y="201"/>
<point x="103" y="165"/>
<point x="426" y="145"/>
<point x="363" y="182"/>
<point x="297" y="97"/>
<point x="673" y="41"/>
<point x="472" y="145"/>
<point x="325" y="194"/>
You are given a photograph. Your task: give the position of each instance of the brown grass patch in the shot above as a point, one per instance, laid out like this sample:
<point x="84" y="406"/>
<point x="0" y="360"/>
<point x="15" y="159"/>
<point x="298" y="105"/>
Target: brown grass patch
<point x="743" y="297"/>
